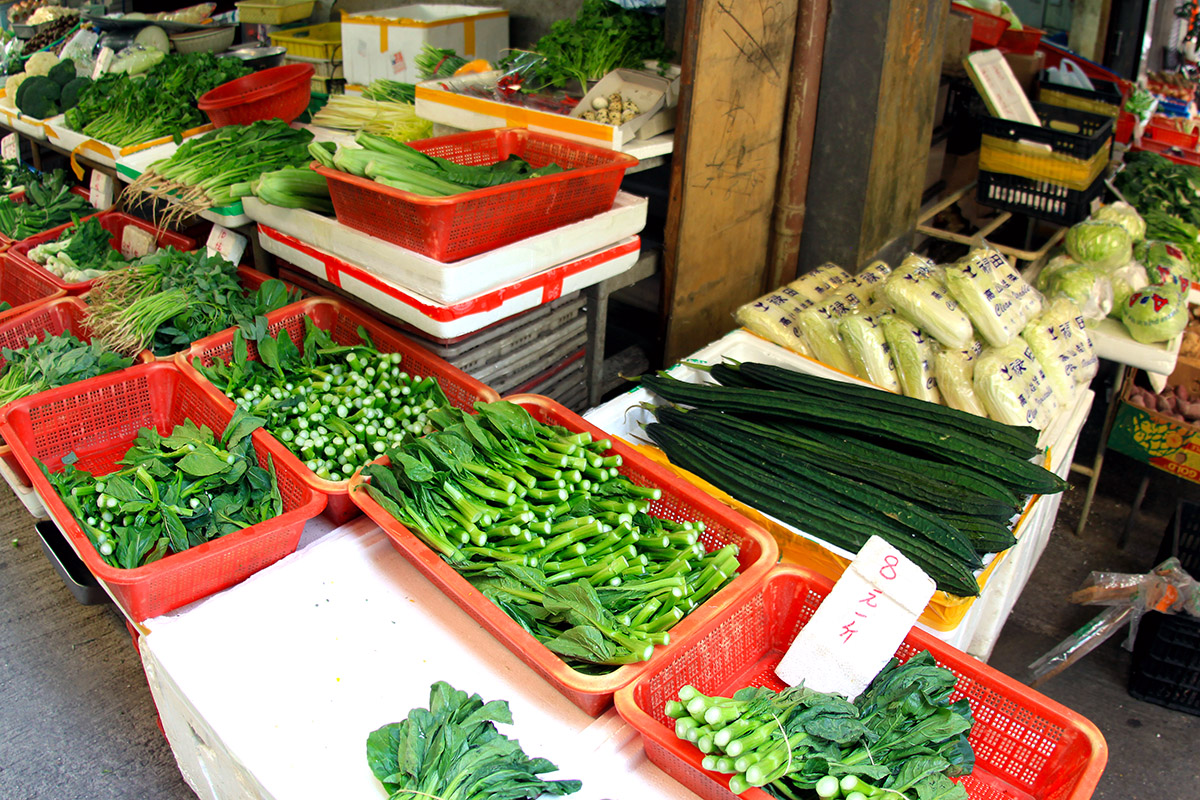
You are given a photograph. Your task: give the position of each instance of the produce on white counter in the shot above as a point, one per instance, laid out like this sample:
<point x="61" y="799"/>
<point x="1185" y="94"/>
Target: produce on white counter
<point x="1157" y="313"/>
<point x="954" y="371"/>
<point x="1014" y="387"/>
<point x="1060" y="342"/>
<point x="1102" y="245"/>
<point x="921" y="297"/>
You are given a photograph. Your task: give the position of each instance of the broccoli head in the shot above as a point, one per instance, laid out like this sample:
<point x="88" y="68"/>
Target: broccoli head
<point x="38" y="97"/>
<point x="72" y="92"/>
<point x="63" y="72"/>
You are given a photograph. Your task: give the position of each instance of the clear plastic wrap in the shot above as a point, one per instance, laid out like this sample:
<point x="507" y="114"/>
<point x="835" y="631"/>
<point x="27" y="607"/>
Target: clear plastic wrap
<point x="1172" y="276"/>
<point x="1155" y="314"/>
<point x="1168" y="589"/>
<point x="866" y="284"/>
<point x="992" y="295"/>
<point x="867" y="347"/>
<point x="773" y="317"/>
<point x="912" y="353"/>
<point x="919" y="297"/>
<point x="820" y="283"/>
<point x="955" y="373"/>
<point x="1013" y="387"/>
<point x="1125" y="281"/>
<point x="1105" y="245"/>
<point x="1060" y="342"/>
<point x="819" y="325"/>
<point x="1153" y="253"/>
<point x="1088" y="287"/>
<point x="1124" y="215"/>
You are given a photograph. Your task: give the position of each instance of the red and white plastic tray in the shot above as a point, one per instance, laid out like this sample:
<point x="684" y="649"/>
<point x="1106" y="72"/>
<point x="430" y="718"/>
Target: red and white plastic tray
<point x="464" y="316"/>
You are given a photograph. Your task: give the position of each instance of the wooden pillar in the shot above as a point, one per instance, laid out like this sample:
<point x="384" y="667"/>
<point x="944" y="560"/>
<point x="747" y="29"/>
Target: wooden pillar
<point x="736" y="63"/>
<point x="874" y="126"/>
<point x="1089" y="28"/>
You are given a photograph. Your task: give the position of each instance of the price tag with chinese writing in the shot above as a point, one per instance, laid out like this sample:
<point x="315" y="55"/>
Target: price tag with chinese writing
<point x="10" y="148"/>
<point x="229" y="244"/>
<point x="136" y="242"/>
<point x="860" y="624"/>
<point x="100" y="190"/>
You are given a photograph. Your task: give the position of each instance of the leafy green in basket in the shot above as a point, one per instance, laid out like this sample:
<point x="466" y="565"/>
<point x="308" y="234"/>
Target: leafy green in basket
<point x="171" y="493"/>
<point x="80" y="253"/>
<point x="48" y="203"/>
<point x="54" y="361"/>
<point x="452" y="751"/>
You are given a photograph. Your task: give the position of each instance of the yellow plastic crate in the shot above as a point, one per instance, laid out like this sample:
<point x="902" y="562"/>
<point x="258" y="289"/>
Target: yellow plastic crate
<point x="275" y="13"/>
<point x="323" y="42"/>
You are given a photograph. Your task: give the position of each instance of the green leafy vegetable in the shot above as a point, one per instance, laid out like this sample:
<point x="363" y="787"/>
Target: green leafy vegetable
<point x="452" y="751"/>
<point x="80" y="253"/>
<point x="48" y="203"/>
<point x="52" y="362"/>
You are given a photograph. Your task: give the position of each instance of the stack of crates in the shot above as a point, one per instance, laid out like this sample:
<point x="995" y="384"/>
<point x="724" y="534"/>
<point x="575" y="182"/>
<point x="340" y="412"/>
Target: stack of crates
<point x="1103" y="98"/>
<point x="321" y="46"/>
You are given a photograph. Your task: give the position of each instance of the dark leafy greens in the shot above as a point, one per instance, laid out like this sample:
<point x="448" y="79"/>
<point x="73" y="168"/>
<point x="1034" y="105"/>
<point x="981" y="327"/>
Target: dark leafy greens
<point x="54" y="361"/>
<point x="1167" y="195"/>
<point x="80" y="253"/>
<point x="48" y="203"/>
<point x="172" y="492"/>
<point x="452" y="751"/>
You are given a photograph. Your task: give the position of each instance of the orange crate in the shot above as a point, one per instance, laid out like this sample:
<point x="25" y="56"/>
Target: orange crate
<point x="343" y="321"/>
<point x="1026" y="745"/>
<point x="461" y="225"/>
<point x="115" y="222"/>
<point x="680" y="501"/>
<point x="98" y="420"/>
<point x="57" y="317"/>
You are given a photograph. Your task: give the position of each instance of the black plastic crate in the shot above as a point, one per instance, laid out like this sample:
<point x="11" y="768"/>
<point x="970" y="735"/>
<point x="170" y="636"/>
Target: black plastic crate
<point x="964" y="111"/>
<point x="1166" y="653"/>
<point x="1037" y="199"/>
<point x="1106" y="92"/>
<point x="1074" y="133"/>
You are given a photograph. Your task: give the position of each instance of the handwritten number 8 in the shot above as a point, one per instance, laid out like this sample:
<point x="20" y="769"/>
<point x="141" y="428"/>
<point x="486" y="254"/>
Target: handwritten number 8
<point x="888" y="571"/>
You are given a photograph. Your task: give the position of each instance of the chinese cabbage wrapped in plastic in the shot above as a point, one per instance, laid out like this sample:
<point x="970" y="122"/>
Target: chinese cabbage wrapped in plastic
<point x="991" y="294"/>
<point x="773" y="317"/>
<point x="1157" y="313"/>
<point x="1060" y="342"/>
<point x="866" y="284"/>
<point x="919" y="298"/>
<point x="912" y="353"/>
<point x="1104" y="245"/>
<point x="820" y="283"/>
<point x="1014" y="387"/>
<point x="1124" y="215"/>
<point x="819" y="325"/>
<point x="955" y="372"/>
<point x="1153" y="253"/>
<point x="867" y="347"/>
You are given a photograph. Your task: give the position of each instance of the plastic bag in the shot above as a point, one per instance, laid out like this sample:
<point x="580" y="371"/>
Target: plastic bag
<point x="1030" y="299"/>
<point x="955" y="373"/>
<point x="773" y="317"/>
<point x="1105" y="245"/>
<point x="1060" y="342"/>
<point x="867" y="347"/>
<point x="1153" y="253"/>
<point x="992" y="295"/>
<point x="1088" y="287"/>
<point x="1125" y="281"/>
<point x="821" y="282"/>
<point x="919" y="298"/>
<point x="1155" y="314"/>
<point x="1013" y="386"/>
<point x="193" y="14"/>
<point x="79" y="48"/>
<point x="819" y="325"/>
<point x="867" y="283"/>
<point x="912" y="353"/>
<point x="1124" y="215"/>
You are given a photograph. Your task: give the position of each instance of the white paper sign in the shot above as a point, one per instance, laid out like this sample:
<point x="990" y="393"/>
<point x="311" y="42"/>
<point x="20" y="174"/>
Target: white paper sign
<point x="229" y="244"/>
<point x="103" y="62"/>
<point x="136" y="242"/>
<point x="860" y="624"/>
<point x="100" y="190"/>
<point x="10" y="148"/>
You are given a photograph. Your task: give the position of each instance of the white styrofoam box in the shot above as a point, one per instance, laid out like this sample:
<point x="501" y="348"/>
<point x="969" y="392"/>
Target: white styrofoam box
<point x="384" y="43"/>
<point x="647" y="91"/>
<point x="104" y="153"/>
<point x="446" y="321"/>
<point x="26" y="494"/>
<point x="449" y="283"/>
<point x="33" y="128"/>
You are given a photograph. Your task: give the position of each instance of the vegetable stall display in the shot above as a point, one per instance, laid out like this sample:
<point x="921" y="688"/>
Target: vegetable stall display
<point x="900" y="739"/>
<point x="47" y="203"/>
<point x="169" y="299"/>
<point x="171" y="493"/>
<point x="80" y="253"/>
<point x="546" y="527"/>
<point x="334" y="406"/>
<point x="54" y="361"/>
<point x="378" y="110"/>
<point x="842" y="462"/>
<point x="452" y="751"/>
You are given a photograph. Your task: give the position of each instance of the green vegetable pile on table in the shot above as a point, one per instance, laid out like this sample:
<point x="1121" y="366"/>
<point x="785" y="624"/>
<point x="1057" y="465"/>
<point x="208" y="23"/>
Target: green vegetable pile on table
<point x="80" y="253"/>
<point x="546" y="527"/>
<point x="172" y="492"/>
<point x="14" y="174"/>
<point x="400" y="166"/>
<point x="55" y="361"/>
<point x="452" y="751"/>
<point x="842" y="462"/>
<point x="44" y="96"/>
<point x="289" y="187"/>
<point x="169" y="299"/>
<point x="383" y="90"/>
<point x="48" y="203"/>
<point x="1168" y="197"/>
<point x="335" y="406"/>
<point x="124" y="109"/>
<point x="901" y="738"/>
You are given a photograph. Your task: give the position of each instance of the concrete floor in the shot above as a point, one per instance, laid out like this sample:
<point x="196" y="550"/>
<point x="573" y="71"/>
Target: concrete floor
<point x="77" y="720"/>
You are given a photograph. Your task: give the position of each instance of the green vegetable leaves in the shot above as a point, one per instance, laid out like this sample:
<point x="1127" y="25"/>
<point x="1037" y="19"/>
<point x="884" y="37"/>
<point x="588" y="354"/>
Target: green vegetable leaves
<point x="452" y="751"/>
<point x="54" y="361"/>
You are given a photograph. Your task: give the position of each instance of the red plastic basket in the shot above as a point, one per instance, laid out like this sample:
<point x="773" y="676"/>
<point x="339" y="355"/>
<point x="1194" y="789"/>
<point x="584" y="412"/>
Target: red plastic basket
<point x="450" y="228"/>
<point x="986" y="29"/>
<point x="1026" y="745"/>
<point x="64" y="315"/>
<point x="680" y="501"/>
<point x="281" y="92"/>
<point x="1125" y="123"/>
<point x="343" y="321"/>
<point x="1023" y="42"/>
<point x="1170" y="137"/>
<point x="98" y="420"/>
<point x="115" y="222"/>
<point x="19" y="197"/>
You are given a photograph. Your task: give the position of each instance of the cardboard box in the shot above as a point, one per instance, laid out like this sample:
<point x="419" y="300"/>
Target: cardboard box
<point x="1026" y="68"/>
<point x="1154" y="438"/>
<point x="385" y="43"/>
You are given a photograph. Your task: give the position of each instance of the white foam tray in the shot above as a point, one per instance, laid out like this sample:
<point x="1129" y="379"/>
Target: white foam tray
<point x="130" y="167"/>
<point x="452" y="282"/>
